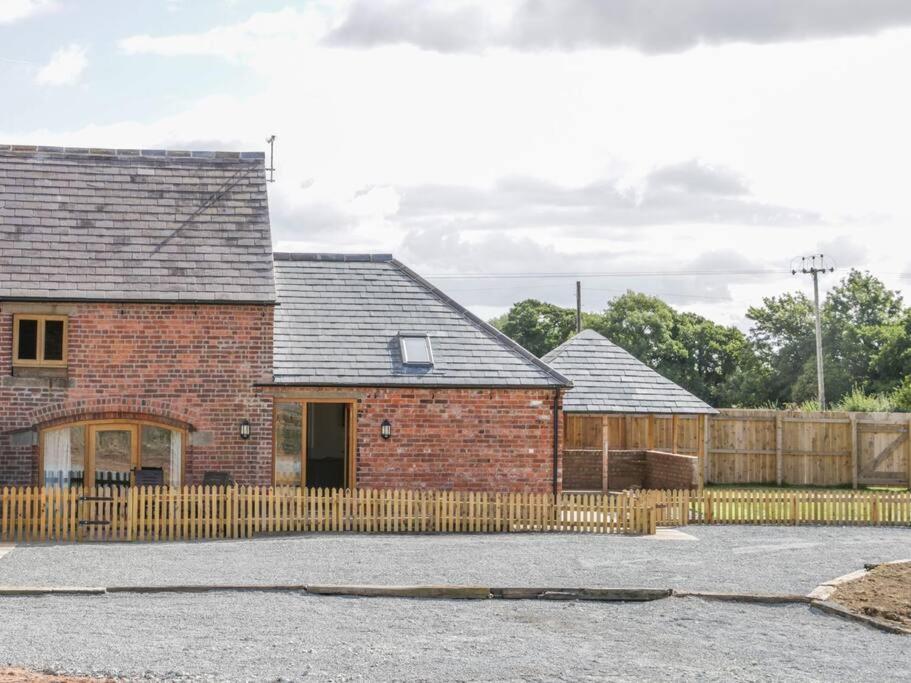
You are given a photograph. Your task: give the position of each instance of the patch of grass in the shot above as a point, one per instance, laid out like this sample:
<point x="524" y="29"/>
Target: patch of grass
<point x="804" y="487"/>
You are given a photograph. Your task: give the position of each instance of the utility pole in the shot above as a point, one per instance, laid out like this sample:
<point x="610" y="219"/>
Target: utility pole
<point x="578" y="306"/>
<point x="813" y="266"/>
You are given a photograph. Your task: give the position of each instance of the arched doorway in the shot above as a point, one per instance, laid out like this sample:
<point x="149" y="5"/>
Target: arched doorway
<point x="111" y="452"/>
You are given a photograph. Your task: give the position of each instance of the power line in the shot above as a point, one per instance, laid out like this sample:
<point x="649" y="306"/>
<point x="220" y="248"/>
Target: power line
<point x="550" y="288"/>
<point x="628" y="273"/>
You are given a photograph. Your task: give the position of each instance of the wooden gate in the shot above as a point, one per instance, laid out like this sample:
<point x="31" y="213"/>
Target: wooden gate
<point x="883" y="454"/>
<point x="103" y="514"/>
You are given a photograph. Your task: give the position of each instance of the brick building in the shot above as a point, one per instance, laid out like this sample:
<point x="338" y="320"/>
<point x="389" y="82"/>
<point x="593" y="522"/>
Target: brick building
<point x="137" y="305"/>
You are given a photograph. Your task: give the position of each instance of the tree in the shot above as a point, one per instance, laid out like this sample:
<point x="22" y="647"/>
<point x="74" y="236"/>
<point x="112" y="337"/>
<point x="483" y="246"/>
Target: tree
<point x="536" y="325"/>
<point x="866" y="343"/>
<point x="688" y="349"/>
<point x="644" y="326"/>
<point x="783" y="339"/>
<point x="860" y="317"/>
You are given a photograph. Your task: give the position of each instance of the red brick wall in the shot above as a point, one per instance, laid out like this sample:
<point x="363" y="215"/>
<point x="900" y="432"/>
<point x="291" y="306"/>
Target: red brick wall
<point x="650" y="470"/>
<point x="582" y="471"/>
<point x="625" y="469"/>
<point x="670" y="470"/>
<point x="190" y="365"/>
<point x="463" y="439"/>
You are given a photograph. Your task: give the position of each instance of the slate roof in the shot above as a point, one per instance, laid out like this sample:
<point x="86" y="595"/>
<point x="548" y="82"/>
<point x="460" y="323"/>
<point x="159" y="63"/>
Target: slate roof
<point x="608" y="379"/>
<point x="133" y="225"/>
<point x="339" y="317"/>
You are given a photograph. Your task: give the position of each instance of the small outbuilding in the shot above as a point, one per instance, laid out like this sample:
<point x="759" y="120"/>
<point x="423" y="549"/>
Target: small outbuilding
<point x="622" y="418"/>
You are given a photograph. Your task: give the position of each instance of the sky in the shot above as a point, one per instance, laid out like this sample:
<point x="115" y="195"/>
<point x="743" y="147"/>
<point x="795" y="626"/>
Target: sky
<point x="690" y="149"/>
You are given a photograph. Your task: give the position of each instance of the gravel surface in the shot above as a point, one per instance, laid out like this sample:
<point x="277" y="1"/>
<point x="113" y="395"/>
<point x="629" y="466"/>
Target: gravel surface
<point x="747" y="558"/>
<point x="291" y="637"/>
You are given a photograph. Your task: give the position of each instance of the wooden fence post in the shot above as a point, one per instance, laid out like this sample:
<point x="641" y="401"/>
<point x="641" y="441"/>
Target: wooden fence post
<point x="854" y="463"/>
<point x="909" y="454"/>
<point x="706" y="450"/>
<point x="605" y="448"/>
<point x="674" y="425"/>
<point x="779" y="440"/>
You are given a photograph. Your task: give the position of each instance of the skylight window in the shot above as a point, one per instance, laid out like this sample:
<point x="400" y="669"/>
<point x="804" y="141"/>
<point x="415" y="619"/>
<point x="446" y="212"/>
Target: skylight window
<point x="416" y="349"/>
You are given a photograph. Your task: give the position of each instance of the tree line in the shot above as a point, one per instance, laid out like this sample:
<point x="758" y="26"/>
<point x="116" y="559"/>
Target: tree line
<point x="866" y="345"/>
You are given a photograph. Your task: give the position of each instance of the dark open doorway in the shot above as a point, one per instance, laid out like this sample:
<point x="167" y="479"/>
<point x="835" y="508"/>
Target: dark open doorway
<point x="327" y="445"/>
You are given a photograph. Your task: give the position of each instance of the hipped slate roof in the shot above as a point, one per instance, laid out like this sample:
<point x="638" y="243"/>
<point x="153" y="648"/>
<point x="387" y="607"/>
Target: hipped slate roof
<point x="133" y="225"/>
<point x="607" y="379"/>
<point x="339" y="317"/>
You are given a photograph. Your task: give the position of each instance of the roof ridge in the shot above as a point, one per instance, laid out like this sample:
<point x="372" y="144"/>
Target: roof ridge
<point x="485" y="327"/>
<point x="331" y="257"/>
<point x="208" y="155"/>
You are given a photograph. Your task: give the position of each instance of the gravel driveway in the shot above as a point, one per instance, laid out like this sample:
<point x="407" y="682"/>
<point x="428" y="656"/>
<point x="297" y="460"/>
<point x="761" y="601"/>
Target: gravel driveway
<point x="257" y="636"/>
<point x="763" y="559"/>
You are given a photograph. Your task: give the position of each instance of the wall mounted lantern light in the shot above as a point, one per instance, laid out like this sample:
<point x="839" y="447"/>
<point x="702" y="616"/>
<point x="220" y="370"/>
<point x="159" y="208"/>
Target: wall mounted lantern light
<point x="245" y="429"/>
<point x="386" y="429"/>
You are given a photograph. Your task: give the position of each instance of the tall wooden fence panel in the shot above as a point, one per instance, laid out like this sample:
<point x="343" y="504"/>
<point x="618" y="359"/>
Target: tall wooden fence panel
<point x="831" y="448"/>
<point x="197" y="512"/>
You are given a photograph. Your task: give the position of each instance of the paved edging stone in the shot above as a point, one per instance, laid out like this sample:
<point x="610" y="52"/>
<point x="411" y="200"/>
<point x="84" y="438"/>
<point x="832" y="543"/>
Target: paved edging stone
<point x="762" y="598"/>
<point x="596" y="594"/>
<point x="211" y="588"/>
<point x="441" y="591"/>
<point x="839" y="611"/>
<point x="48" y="590"/>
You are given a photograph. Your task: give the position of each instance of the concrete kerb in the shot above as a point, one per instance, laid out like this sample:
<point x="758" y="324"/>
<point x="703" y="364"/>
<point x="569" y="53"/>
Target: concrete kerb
<point x="443" y="592"/>
<point x="761" y="598"/>
<point x="818" y="598"/>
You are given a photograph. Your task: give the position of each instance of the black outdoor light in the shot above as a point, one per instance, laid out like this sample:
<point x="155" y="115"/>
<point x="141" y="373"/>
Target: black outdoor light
<point x="386" y="429"/>
<point x="245" y="429"/>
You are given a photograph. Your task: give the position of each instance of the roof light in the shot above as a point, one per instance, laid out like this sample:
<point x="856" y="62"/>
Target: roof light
<point x="415" y="349"/>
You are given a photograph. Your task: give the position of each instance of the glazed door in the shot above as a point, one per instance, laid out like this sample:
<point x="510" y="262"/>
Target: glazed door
<point x="114" y="454"/>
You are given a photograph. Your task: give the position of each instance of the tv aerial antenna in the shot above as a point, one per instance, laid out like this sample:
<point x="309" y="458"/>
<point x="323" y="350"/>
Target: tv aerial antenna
<point x="271" y="168"/>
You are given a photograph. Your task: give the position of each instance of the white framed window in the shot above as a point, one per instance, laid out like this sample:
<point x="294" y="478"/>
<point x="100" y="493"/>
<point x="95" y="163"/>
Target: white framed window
<point x="416" y="349"/>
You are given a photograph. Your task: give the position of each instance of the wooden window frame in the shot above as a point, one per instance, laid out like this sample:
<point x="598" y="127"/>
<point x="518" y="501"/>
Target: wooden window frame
<point x="351" y="419"/>
<point x="40" y="362"/>
<point x="93" y="426"/>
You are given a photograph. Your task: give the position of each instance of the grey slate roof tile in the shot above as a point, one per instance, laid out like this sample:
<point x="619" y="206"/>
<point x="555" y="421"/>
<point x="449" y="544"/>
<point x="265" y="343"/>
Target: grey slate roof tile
<point x="608" y="379"/>
<point x="126" y="225"/>
<point x="339" y="317"/>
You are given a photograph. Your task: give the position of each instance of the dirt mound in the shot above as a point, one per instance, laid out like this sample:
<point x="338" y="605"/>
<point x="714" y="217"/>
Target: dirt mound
<point x="885" y="592"/>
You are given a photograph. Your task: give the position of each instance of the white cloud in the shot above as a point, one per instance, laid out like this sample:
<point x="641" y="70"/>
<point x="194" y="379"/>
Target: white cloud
<point x="264" y="32"/>
<point x="65" y="67"/>
<point x="651" y="26"/>
<point x="635" y="161"/>
<point x="16" y="10"/>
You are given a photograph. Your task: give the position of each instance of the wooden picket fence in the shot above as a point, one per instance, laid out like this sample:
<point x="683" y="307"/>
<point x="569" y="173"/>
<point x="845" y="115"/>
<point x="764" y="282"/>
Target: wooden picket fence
<point x="770" y="506"/>
<point x="197" y="512"/>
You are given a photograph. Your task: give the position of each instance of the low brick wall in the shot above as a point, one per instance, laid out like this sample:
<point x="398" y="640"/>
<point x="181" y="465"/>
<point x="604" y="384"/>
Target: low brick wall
<point x="670" y="470"/>
<point x="650" y="470"/>
<point x="626" y="469"/>
<point x="582" y="470"/>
